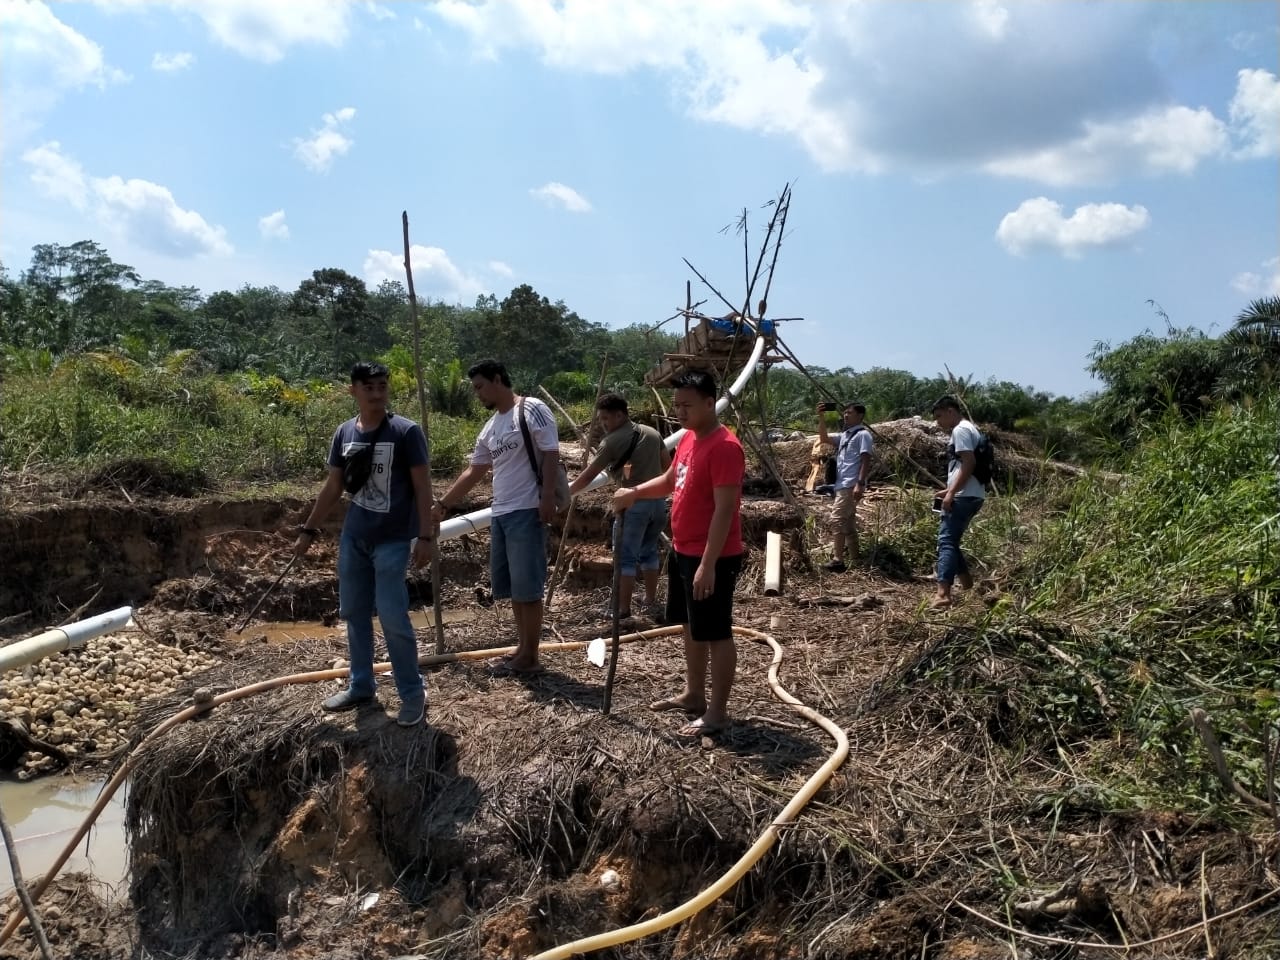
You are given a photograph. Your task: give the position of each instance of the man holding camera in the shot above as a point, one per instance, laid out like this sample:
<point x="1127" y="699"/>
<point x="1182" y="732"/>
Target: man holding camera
<point x="380" y="460"/>
<point x="853" y="460"/>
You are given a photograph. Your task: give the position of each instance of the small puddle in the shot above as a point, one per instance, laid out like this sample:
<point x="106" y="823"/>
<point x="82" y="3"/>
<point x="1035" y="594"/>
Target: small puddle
<point x="282" y="632"/>
<point x="44" y="814"/>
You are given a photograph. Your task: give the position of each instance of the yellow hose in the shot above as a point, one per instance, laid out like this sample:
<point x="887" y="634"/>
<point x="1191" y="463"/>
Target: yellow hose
<point x="710" y="894"/>
<point x="598" y="942"/>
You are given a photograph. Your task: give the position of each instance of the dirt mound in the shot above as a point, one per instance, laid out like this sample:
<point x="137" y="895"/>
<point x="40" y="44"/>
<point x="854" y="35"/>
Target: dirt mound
<point x="61" y="555"/>
<point x="144" y="477"/>
<point x="279" y="804"/>
<point x="914" y="451"/>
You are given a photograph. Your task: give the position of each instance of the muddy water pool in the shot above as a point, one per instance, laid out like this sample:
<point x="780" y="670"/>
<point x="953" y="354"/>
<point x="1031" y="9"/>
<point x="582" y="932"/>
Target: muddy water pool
<point x="44" y="814"/>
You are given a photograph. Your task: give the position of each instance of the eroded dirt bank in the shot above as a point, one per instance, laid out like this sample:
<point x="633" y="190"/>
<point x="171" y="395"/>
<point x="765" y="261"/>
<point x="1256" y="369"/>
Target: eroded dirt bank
<point x="270" y="829"/>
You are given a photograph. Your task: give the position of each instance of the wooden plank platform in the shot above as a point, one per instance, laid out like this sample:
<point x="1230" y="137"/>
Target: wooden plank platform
<point x="704" y="348"/>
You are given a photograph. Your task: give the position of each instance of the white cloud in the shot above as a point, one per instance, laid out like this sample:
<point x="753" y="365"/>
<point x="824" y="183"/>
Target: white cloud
<point x="57" y="176"/>
<point x="1255" y="113"/>
<point x="1265" y="284"/>
<point x="318" y="151"/>
<point x="1171" y="140"/>
<point x="172" y="62"/>
<point x="262" y="30"/>
<point x="43" y="58"/>
<point x="991" y="18"/>
<point x="1057" y="93"/>
<point x="501" y="269"/>
<point x="1243" y="41"/>
<point x="273" y="227"/>
<point x="567" y="197"/>
<point x="139" y="210"/>
<point x="378" y="11"/>
<point x="434" y="274"/>
<point x="1038" y="224"/>
<point x="148" y="213"/>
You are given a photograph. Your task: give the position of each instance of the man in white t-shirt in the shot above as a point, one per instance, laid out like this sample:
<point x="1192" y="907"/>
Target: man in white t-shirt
<point x="961" y="498"/>
<point x="853" y="460"/>
<point x="522" y="507"/>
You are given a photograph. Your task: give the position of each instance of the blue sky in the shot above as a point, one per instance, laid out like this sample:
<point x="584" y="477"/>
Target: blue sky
<point x="989" y="185"/>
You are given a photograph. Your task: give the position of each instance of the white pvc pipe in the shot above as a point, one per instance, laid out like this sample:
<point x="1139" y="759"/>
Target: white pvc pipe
<point x="772" y="564"/>
<point x="69" y="637"/>
<point x="471" y="522"/>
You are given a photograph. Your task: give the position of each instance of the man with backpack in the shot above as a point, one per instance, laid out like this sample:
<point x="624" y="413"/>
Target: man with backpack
<point x="852" y="461"/>
<point x="521" y="445"/>
<point x="633" y="453"/>
<point x="380" y="460"/>
<point x="968" y="473"/>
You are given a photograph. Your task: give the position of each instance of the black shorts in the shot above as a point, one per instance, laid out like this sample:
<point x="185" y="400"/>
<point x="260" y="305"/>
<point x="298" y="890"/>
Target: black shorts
<point x="709" y="619"/>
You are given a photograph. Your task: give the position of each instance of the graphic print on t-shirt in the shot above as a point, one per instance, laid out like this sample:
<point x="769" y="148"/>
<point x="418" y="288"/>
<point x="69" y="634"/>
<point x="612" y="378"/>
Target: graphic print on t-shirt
<point x="375" y="495"/>
<point x="682" y="469"/>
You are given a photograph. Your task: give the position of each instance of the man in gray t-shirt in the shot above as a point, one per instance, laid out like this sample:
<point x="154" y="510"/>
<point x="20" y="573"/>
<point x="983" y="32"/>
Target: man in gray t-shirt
<point x="388" y="524"/>
<point x="632" y="453"/>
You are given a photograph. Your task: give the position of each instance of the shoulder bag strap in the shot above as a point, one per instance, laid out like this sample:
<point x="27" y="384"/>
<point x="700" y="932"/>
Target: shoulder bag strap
<point x="635" y="442"/>
<point x="528" y="442"/>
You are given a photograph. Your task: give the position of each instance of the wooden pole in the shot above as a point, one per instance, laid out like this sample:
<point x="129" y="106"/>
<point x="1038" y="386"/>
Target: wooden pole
<point x="616" y="611"/>
<point x="568" y="517"/>
<point x="24" y="895"/>
<point x="436" y="586"/>
<point x="582" y="437"/>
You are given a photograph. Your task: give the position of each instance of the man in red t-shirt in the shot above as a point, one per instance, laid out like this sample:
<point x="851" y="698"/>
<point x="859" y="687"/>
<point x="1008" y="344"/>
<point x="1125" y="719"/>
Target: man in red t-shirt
<point x="705" y="480"/>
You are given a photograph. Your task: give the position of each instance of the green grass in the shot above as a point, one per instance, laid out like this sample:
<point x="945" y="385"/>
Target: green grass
<point x="95" y="410"/>
<point x="1164" y="587"/>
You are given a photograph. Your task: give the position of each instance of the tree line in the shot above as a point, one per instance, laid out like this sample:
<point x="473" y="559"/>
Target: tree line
<point x="75" y="299"/>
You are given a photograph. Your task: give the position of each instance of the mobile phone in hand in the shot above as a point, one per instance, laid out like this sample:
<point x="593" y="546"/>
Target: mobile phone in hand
<point x="937" y="504"/>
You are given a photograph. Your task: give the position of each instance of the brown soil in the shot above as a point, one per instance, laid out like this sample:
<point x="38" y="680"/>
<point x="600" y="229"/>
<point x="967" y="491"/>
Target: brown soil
<point x="268" y="829"/>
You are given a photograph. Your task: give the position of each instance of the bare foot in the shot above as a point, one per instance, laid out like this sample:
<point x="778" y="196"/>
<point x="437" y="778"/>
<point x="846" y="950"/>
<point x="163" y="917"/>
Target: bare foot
<point x="941" y="602"/>
<point x="683" y="702"/>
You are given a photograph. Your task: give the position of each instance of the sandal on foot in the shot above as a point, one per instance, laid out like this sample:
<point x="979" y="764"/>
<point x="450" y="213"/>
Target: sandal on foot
<point x="700" y="728"/>
<point x="671" y="703"/>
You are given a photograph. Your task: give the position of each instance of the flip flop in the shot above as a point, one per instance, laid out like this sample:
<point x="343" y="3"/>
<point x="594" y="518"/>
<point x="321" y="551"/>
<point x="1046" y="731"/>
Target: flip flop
<point x="697" y="728"/>
<point x="671" y="704"/>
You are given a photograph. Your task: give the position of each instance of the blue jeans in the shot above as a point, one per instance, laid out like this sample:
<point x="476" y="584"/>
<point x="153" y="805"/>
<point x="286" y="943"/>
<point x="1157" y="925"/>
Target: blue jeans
<point x="518" y="556"/>
<point x="645" y="520"/>
<point x="951" y="561"/>
<point x="372" y="575"/>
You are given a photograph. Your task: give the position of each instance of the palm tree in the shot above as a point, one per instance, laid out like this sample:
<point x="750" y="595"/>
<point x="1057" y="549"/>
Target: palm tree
<point x="1253" y="348"/>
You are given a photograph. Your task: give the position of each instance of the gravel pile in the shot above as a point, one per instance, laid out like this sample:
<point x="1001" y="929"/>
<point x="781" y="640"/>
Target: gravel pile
<point x="82" y="701"/>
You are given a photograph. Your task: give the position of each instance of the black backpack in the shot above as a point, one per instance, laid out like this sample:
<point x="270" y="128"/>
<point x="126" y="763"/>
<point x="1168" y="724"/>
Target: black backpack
<point x="984" y="459"/>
